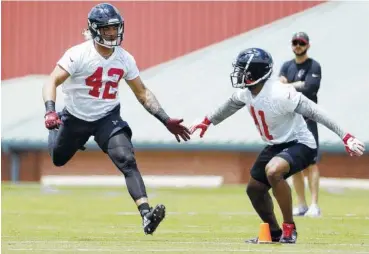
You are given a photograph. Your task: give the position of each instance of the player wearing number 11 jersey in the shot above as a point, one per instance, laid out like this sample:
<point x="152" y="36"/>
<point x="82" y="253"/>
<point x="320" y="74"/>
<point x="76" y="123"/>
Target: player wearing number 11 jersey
<point x="277" y="110"/>
<point x="90" y="73"/>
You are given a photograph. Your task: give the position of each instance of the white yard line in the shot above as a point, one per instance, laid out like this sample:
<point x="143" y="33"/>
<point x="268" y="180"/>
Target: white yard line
<point x="49" y="212"/>
<point x="136" y="250"/>
<point x="241" y="242"/>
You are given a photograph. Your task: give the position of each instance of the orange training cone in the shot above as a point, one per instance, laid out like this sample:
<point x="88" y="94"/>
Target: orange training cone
<point x="264" y="234"/>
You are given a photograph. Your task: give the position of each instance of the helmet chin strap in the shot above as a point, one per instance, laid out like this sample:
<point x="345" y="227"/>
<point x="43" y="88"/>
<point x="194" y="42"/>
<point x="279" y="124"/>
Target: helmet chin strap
<point x="107" y="45"/>
<point x="260" y="79"/>
<point x="103" y="45"/>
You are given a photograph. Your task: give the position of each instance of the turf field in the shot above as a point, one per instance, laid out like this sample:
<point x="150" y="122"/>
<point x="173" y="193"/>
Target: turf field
<point x="105" y="220"/>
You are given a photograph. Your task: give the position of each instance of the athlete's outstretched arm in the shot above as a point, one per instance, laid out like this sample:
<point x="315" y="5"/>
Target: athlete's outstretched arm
<point x="152" y="105"/>
<point x="231" y="106"/>
<point x="57" y="77"/>
<point x="311" y="110"/>
<point x="147" y="99"/>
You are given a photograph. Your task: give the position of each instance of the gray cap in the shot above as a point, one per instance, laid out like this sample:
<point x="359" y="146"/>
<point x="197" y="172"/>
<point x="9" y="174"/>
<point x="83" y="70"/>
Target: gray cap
<point x="301" y="36"/>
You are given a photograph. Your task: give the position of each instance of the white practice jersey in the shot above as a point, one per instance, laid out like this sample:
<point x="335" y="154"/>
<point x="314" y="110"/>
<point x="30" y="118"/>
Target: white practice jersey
<point x="92" y="89"/>
<point x="273" y="113"/>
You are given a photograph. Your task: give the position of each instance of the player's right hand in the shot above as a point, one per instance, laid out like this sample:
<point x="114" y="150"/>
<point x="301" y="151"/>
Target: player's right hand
<point x="177" y="129"/>
<point x="353" y="146"/>
<point x="52" y="120"/>
<point x="204" y="125"/>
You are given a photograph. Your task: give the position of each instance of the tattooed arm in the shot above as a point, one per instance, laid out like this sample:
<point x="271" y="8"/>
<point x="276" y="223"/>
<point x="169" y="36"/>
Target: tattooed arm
<point x="148" y="99"/>
<point x="311" y="110"/>
<point x="152" y="105"/>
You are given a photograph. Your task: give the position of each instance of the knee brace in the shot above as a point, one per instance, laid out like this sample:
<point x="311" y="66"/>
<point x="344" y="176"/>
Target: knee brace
<point x="124" y="158"/>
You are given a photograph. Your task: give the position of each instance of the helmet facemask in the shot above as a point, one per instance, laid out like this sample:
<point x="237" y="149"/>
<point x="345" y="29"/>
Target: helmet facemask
<point x="103" y="40"/>
<point x="250" y="75"/>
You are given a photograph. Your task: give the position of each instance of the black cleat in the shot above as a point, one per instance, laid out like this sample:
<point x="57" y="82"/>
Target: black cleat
<point x="152" y="219"/>
<point x="289" y="234"/>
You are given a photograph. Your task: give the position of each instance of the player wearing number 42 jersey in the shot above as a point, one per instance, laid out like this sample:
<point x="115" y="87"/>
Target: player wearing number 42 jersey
<point x="277" y="110"/>
<point x="90" y="73"/>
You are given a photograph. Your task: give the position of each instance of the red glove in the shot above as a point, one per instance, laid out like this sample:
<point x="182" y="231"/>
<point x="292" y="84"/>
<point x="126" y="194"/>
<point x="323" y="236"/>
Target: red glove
<point x="204" y="125"/>
<point x="175" y="127"/>
<point x="353" y="146"/>
<point x="52" y="120"/>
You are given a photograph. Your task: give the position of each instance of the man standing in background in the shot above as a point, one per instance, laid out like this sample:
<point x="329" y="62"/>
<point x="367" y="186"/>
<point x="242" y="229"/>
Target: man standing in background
<point x="304" y="73"/>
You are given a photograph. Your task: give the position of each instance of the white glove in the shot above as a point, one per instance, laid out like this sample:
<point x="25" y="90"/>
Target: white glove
<point x="353" y="146"/>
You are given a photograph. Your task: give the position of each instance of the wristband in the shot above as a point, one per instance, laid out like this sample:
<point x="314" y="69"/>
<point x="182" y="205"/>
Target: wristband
<point x="50" y="106"/>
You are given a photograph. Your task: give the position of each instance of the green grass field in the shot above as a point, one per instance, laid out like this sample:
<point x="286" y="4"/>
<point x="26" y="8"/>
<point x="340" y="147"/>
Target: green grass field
<point x="105" y="220"/>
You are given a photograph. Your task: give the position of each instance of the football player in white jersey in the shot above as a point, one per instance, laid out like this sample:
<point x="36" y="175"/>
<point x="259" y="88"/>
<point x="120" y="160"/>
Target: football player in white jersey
<point x="277" y="110"/>
<point x="90" y="73"/>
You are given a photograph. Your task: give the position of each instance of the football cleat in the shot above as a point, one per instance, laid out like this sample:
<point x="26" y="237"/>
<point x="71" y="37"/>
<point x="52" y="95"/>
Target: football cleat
<point x="152" y="219"/>
<point x="289" y="234"/>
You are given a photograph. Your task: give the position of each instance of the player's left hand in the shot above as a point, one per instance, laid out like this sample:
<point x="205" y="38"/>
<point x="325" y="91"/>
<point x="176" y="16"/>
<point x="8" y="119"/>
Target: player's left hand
<point x="176" y="128"/>
<point x="353" y="146"/>
<point x="52" y="120"/>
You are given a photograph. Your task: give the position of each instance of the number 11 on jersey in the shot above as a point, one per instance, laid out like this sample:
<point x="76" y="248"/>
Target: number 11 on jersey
<point x="265" y="126"/>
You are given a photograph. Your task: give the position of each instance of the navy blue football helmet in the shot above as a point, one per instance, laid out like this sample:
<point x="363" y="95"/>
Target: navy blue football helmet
<point x="104" y="15"/>
<point x="251" y="67"/>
